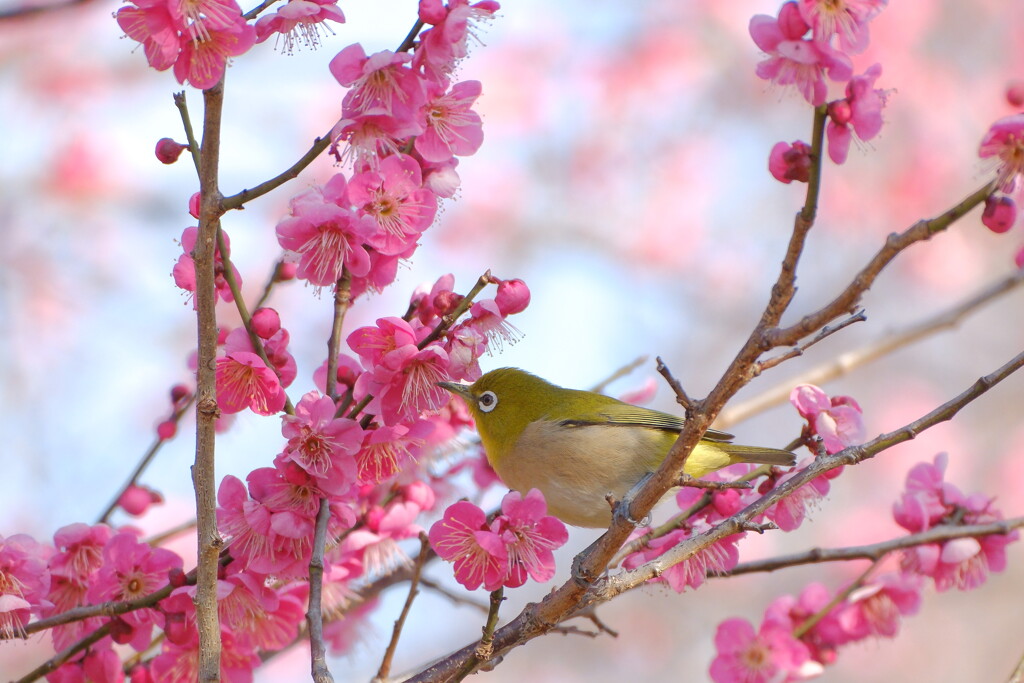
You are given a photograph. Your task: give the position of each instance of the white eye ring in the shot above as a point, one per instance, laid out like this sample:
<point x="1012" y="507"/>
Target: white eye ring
<point x="487" y="402"/>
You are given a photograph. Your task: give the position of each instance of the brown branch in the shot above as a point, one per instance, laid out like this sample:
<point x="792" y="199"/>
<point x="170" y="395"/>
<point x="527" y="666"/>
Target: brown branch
<point x="798" y="351"/>
<point x="846" y="362"/>
<point x="385" y="666"/>
<point x="314" y="615"/>
<point x="58" y="660"/>
<point x="847" y="300"/>
<point x="875" y="551"/>
<point x="342" y="301"/>
<point x="681" y="396"/>
<point x="203" y="472"/>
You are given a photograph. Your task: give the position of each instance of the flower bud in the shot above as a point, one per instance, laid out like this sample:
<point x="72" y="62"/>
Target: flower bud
<point x="513" y="296"/>
<point x="266" y="322"/>
<point x="1000" y="214"/>
<point x="168" y="151"/>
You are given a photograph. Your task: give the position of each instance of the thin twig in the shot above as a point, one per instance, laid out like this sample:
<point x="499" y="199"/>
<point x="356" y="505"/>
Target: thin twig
<point x="876" y="551"/>
<point x="342" y="300"/>
<point x="797" y="351"/>
<point x="385" y="666"/>
<point x="618" y="374"/>
<point x="314" y="615"/>
<point x="55" y="662"/>
<point x="681" y="396"/>
<point x="147" y="458"/>
<point x="849" y="361"/>
<point x="484" y="650"/>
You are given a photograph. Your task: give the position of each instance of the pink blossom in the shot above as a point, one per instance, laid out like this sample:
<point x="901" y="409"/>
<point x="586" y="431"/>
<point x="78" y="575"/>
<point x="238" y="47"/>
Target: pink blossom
<point x="151" y="23"/>
<point x="453" y="129"/>
<point x="462" y="537"/>
<point x="299" y="22"/>
<point x="530" y="535"/>
<point x="860" y="112"/>
<point x="394" y="197"/>
<point x="348" y="371"/>
<point x="822" y="639"/>
<point x="1000" y="213"/>
<point x="24" y="581"/>
<point x="837" y="420"/>
<point x="184" y="271"/>
<point x="136" y="499"/>
<point x="372" y="136"/>
<point x="386" y="450"/>
<point x="465" y="345"/>
<point x="846" y="18"/>
<point x="204" y="57"/>
<point x="375" y="545"/>
<point x="768" y="655"/>
<point x="719" y="557"/>
<point x="929" y="501"/>
<point x="789" y="513"/>
<point x="318" y="441"/>
<point x="326" y="235"/>
<point x="79" y="555"/>
<point x="1004" y="142"/>
<point x="488" y="319"/>
<point x="265" y="322"/>
<point x="443" y="45"/>
<point x="245" y="381"/>
<point x="132" y="569"/>
<point x="875" y="609"/>
<point x="513" y="296"/>
<point x="788" y="162"/>
<point x="439" y="300"/>
<point x="375" y="345"/>
<point x="406" y="384"/>
<point x="168" y="151"/>
<point x="794" y="60"/>
<point x="261" y="617"/>
<point x="381" y="82"/>
<point x="180" y="662"/>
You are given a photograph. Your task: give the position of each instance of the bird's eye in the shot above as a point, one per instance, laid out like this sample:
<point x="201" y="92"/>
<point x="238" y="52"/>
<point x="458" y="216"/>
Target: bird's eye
<point x="488" y="401"/>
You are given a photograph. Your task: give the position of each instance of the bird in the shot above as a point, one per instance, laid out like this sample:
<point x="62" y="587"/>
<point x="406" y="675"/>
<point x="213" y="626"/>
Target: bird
<point x="578" y="447"/>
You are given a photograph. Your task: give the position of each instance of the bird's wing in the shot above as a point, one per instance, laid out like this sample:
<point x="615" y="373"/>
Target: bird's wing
<point x="624" y="414"/>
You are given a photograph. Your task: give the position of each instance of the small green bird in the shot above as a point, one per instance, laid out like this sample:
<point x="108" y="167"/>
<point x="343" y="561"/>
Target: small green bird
<point x="578" y="446"/>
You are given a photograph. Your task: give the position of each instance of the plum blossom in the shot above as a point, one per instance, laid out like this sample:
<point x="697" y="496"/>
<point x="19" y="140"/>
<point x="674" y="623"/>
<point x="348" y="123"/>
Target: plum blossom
<point x="184" y="271"/>
<point x="847" y="19"/>
<point x="132" y="569"/>
<point x="1000" y="213"/>
<point x="245" y="381"/>
<point x="24" y="580"/>
<point x="299" y="22"/>
<point x="382" y="82"/>
<point x="1004" y="143"/>
<point x="325" y="235"/>
<point x="790" y="512"/>
<point x="318" y="441"/>
<point x="838" y="420"/>
<point x="795" y="60"/>
<point x="445" y="43"/>
<point x="765" y="656"/>
<point x="393" y="195"/>
<point x="204" y="57"/>
<point x="789" y="162"/>
<point x="930" y="501"/>
<point x="516" y="544"/>
<point x="859" y="113"/>
<point x="452" y="128"/>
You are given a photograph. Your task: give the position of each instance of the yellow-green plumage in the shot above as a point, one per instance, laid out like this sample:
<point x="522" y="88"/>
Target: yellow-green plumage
<point x="578" y="446"/>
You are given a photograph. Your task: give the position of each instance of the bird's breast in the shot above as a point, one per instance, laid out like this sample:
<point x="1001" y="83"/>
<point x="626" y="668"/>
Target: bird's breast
<point x="576" y="467"/>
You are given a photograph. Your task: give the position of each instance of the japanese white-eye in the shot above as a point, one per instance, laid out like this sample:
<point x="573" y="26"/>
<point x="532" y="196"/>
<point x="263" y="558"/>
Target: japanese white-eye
<point x="579" y="446"/>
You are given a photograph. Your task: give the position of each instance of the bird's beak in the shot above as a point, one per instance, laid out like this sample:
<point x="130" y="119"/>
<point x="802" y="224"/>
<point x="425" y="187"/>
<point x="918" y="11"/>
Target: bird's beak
<point x="458" y="389"/>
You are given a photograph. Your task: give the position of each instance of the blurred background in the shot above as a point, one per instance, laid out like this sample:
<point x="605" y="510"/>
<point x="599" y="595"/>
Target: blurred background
<point x="624" y="178"/>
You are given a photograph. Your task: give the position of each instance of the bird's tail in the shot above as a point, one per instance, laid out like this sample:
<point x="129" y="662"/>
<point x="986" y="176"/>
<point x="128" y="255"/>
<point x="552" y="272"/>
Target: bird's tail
<point x="758" y="454"/>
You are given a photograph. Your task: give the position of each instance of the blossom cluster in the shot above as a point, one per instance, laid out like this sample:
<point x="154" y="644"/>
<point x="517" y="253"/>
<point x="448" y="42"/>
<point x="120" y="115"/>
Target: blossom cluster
<point x="801" y="635"/>
<point x="516" y="544"/>
<point x="811" y="41"/>
<point x="1003" y="145"/>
